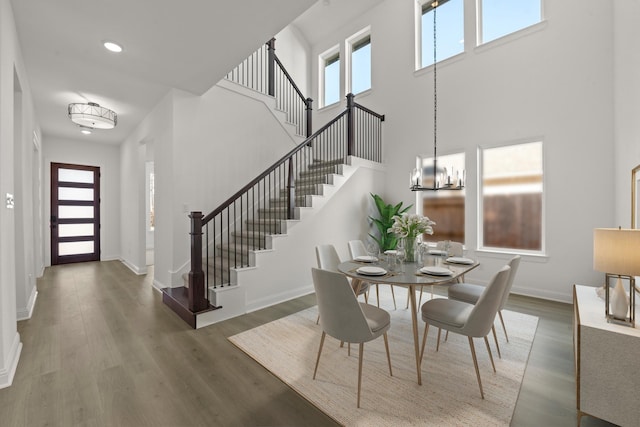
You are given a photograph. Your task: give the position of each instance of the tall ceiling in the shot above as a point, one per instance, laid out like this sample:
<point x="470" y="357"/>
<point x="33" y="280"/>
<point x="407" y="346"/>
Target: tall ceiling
<point x="188" y="45"/>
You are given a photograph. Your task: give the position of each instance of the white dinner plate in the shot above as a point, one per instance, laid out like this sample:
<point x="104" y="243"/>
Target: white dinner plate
<point x="460" y="260"/>
<point x="366" y="258"/>
<point x="391" y="252"/>
<point x="437" y="252"/>
<point x="436" y="271"/>
<point x="371" y="271"/>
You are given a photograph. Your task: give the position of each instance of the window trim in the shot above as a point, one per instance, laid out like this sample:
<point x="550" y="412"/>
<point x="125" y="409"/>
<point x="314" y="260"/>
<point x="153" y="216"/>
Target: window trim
<point x="480" y="203"/>
<point x="352" y="44"/>
<point x="521" y="31"/>
<point x="332" y="54"/>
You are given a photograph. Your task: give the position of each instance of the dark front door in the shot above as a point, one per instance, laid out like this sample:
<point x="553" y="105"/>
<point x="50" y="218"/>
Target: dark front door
<point x="75" y="213"/>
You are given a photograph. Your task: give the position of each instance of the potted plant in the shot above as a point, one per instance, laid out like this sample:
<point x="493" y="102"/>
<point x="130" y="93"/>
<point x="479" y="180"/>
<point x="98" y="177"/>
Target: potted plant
<point x="388" y="239"/>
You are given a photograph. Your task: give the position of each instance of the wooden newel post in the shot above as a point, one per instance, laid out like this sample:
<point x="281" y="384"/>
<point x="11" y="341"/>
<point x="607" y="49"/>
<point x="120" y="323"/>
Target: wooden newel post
<point x="197" y="290"/>
<point x="271" y="59"/>
<point x="350" y="124"/>
<point x="308" y="104"/>
<point x="291" y="192"/>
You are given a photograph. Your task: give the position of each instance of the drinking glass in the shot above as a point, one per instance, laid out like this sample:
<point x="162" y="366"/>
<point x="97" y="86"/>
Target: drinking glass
<point x="401" y="254"/>
<point x="372" y="249"/>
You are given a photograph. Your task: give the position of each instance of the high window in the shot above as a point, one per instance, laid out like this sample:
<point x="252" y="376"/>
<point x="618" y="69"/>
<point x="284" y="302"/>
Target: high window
<point x="449" y="29"/>
<point x="330" y="77"/>
<point x="497" y="18"/>
<point x="511" y="197"/>
<point x="444" y="207"/>
<point x="360" y="76"/>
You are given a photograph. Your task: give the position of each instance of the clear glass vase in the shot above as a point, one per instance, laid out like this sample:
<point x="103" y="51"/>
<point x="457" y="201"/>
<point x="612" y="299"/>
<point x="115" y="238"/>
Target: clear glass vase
<point x="410" y="246"/>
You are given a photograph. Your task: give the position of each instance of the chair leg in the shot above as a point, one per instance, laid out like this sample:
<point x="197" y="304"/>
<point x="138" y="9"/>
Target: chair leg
<point x="393" y="294"/>
<point x="438" y="341"/>
<point x="420" y="299"/>
<point x="360" y="370"/>
<point x="318" y="319"/>
<point x="503" y="327"/>
<point x="319" y="351"/>
<point x="486" y="342"/>
<point x="475" y="364"/>
<point x="446" y="336"/>
<point x="348" y="349"/>
<point x="495" y="338"/>
<point x="386" y="346"/>
<point x="424" y="340"/>
<point x="378" y="295"/>
<point x="408" y="296"/>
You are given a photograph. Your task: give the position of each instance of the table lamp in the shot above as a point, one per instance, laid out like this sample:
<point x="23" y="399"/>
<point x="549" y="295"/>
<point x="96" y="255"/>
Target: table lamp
<point x="616" y="252"/>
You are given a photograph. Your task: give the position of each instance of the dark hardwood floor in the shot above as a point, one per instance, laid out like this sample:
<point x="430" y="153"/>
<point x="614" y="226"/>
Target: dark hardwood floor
<point x="102" y="350"/>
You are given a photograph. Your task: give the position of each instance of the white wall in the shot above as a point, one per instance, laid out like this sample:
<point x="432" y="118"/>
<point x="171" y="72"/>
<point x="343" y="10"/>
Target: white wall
<point x="552" y="83"/>
<point x="104" y="156"/>
<point x="626" y="34"/>
<point x="17" y="126"/>
<point x="155" y="130"/>
<point x="205" y="150"/>
<point x="294" y="52"/>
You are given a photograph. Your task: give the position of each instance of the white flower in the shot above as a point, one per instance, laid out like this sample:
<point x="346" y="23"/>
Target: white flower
<point x="411" y="225"/>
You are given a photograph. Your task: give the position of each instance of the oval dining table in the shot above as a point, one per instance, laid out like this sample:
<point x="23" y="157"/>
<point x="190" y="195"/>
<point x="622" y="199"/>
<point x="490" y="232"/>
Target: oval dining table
<point x="408" y="275"/>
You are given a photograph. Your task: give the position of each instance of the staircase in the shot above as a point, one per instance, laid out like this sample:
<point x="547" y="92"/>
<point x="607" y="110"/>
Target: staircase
<point x="269" y="222"/>
<point x="227" y="243"/>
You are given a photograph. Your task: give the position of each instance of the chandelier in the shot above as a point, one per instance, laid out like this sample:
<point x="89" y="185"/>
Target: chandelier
<point x="92" y="115"/>
<point x="445" y="179"/>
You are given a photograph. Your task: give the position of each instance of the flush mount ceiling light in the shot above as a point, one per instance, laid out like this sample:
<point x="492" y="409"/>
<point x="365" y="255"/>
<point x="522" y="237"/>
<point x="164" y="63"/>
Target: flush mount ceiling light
<point x="112" y="46"/>
<point x="93" y="116"/>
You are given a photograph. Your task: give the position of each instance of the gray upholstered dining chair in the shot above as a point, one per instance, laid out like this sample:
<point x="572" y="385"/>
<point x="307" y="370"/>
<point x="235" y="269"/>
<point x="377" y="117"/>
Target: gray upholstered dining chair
<point x="344" y="318"/>
<point x="469" y="292"/>
<point x="328" y="259"/>
<point x="473" y="321"/>
<point x="356" y="249"/>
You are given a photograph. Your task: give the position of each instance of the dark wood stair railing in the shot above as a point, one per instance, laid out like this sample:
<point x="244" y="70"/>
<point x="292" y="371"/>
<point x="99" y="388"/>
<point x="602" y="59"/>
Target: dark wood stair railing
<point x="225" y="238"/>
<point x="264" y="72"/>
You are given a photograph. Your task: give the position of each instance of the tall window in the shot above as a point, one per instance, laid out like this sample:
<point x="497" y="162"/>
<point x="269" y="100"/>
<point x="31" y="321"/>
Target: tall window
<point x="360" y="64"/>
<point x="449" y="28"/>
<point x="512" y="197"/>
<point x="444" y="207"/>
<point x="330" y="70"/>
<point x="498" y="18"/>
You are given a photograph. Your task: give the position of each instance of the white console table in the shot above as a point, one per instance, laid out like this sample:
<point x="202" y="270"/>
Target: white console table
<point x="607" y="362"/>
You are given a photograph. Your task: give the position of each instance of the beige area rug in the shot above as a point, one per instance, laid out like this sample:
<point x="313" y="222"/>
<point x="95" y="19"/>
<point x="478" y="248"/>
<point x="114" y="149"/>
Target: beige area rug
<point x="449" y="395"/>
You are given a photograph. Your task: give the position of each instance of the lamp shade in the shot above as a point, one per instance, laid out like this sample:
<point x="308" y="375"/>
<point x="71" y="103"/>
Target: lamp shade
<point x="92" y="115"/>
<point x="616" y="251"/>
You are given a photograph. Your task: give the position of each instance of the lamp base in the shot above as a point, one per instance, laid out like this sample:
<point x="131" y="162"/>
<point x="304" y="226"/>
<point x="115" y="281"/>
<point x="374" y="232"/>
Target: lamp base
<point x="618" y="304"/>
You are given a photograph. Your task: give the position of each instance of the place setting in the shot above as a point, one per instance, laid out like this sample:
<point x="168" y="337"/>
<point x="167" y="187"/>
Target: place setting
<point x="434" y="270"/>
<point x="459" y="260"/>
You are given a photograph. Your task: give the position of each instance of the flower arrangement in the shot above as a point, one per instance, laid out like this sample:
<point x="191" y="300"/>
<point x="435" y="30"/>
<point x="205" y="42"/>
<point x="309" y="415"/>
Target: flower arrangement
<point x="408" y="227"/>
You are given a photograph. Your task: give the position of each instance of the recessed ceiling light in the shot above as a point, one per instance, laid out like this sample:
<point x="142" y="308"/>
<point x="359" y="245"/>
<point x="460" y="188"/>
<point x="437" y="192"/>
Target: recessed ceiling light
<point x="113" y="47"/>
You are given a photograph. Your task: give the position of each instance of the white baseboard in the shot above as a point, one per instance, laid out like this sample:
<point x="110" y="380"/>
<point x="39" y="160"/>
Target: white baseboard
<point x="542" y="294"/>
<point x="7" y="372"/>
<point x="258" y="304"/>
<point x="137" y="270"/>
<point x="27" y="312"/>
<point x="157" y="285"/>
